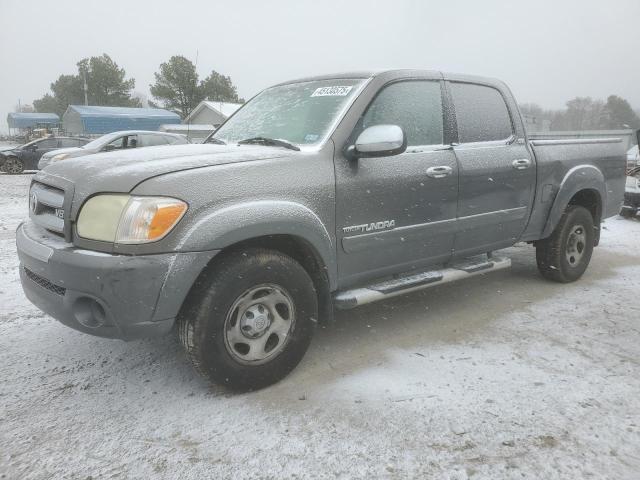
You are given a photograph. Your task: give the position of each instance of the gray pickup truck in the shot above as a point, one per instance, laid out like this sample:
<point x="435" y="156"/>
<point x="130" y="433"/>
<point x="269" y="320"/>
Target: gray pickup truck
<point x="320" y="193"/>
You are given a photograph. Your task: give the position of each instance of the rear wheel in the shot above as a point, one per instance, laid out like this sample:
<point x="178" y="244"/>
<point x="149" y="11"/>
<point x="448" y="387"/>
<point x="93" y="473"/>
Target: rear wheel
<point x="249" y="321"/>
<point x="565" y="255"/>
<point x="13" y="166"/>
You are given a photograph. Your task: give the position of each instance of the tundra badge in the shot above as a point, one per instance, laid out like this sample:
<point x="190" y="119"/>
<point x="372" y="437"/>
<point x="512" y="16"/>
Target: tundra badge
<point x="368" y="227"/>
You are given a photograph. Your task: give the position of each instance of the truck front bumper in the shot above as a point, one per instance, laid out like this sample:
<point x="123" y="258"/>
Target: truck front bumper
<point x="113" y="296"/>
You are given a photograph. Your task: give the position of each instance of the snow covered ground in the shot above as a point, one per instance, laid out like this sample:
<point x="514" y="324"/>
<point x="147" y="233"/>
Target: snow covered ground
<point x="501" y="376"/>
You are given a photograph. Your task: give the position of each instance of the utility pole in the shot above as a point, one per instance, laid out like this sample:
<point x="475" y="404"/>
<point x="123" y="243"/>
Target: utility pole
<point x="84" y="81"/>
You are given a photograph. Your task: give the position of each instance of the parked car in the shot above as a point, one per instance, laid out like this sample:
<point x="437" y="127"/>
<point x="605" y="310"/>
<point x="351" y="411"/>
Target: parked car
<point x="631" y="203"/>
<point x="321" y="193"/>
<point x="633" y="157"/>
<point x="114" y="141"/>
<point x="26" y="157"/>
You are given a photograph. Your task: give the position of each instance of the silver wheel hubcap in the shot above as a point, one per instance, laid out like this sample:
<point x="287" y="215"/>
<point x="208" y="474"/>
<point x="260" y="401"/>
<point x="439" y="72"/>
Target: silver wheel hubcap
<point x="576" y="244"/>
<point x="258" y="324"/>
<point x="12" y="166"/>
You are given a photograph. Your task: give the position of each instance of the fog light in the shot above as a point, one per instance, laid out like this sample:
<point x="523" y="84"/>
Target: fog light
<point x="88" y="312"/>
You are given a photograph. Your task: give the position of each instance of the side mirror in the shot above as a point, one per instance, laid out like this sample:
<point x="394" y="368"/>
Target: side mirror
<point x="108" y="148"/>
<point x="379" y="141"/>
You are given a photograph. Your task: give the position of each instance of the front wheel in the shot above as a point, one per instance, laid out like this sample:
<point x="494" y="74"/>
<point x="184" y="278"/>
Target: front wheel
<point x="249" y="320"/>
<point x="564" y="256"/>
<point x="13" y="166"/>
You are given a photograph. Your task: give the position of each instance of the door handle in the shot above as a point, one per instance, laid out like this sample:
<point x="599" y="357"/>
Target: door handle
<point x="439" y="172"/>
<point x="521" y="163"/>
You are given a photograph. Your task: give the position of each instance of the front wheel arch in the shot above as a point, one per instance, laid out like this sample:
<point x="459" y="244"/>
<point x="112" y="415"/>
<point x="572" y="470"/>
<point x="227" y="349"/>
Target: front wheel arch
<point x="298" y="248"/>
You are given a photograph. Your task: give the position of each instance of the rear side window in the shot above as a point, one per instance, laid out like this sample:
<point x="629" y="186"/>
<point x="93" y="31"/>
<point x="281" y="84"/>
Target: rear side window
<point x="70" y="142"/>
<point x="176" y="140"/>
<point x="151" y="140"/>
<point x="48" y="143"/>
<point x="481" y="113"/>
<point x="416" y="106"/>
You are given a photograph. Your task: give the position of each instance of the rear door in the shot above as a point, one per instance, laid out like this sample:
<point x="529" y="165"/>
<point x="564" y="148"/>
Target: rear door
<point x="497" y="172"/>
<point x="396" y="213"/>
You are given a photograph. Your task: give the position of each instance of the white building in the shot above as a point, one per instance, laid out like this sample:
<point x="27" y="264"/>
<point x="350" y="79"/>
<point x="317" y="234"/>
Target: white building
<point x="211" y="113"/>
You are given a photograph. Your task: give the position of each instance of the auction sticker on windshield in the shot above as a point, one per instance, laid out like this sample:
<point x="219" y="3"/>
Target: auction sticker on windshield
<point x="332" y="91"/>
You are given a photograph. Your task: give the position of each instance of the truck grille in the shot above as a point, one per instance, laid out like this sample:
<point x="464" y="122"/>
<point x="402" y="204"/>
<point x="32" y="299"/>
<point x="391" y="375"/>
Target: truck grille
<point x="44" y="283"/>
<point x="46" y="207"/>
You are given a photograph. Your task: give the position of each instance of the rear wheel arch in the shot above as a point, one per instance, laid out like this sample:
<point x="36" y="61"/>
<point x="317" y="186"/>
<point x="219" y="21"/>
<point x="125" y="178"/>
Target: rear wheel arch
<point x="584" y="186"/>
<point x="592" y="201"/>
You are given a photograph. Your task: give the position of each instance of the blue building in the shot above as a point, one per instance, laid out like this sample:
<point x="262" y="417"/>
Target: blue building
<point x="88" y="120"/>
<point x="25" y="121"/>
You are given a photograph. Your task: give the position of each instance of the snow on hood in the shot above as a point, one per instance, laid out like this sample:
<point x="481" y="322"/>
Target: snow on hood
<point x="122" y="170"/>
<point x="68" y="151"/>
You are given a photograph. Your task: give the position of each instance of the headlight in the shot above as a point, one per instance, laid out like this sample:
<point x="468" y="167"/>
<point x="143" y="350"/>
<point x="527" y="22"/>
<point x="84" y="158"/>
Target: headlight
<point x="129" y="219"/>
<point x="60" y="156"/>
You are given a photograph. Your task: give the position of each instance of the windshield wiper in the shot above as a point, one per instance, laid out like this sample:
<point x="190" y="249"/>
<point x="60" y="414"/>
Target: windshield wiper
<point x="217" y="141"/>
<point x="276" y="142"/>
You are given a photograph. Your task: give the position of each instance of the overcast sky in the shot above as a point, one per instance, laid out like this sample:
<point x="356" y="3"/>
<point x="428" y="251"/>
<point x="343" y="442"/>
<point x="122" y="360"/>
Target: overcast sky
<point x="547" y="51"/>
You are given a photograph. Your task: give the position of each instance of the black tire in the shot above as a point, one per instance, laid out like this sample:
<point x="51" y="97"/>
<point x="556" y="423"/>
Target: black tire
<point x="206" y="317"/>
<point x="13" y="166"/>
<point x="554" y="254"/>
<point x="628" y="213"/>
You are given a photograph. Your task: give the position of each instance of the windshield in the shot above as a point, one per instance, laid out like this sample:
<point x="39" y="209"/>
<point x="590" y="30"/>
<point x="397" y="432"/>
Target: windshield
<point x="300" y="113"/>
<point x="101" y="141"/>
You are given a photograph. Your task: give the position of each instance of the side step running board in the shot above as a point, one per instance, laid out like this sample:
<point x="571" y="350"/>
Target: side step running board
<point x="419" y="281"/>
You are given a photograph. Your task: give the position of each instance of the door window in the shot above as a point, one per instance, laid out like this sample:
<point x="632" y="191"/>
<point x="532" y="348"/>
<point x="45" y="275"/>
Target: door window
<point x="481" y="113"/>
<point x="416" y="106"/>
<point x="127" y="141"/>
<point x="48" y="143"/>
<point x="131" y="141"/>
<point x="117" y="144"/>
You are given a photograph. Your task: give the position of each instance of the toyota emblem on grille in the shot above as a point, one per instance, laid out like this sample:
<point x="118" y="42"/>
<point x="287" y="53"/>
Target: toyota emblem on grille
<point x="33" y="203"/>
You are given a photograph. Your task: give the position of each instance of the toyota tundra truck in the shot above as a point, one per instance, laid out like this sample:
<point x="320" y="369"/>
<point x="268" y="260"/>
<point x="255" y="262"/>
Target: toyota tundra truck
<point x="321" y="193"/>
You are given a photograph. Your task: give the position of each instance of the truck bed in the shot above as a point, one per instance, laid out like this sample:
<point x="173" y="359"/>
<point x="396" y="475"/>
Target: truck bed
<point x="560" y="161"/>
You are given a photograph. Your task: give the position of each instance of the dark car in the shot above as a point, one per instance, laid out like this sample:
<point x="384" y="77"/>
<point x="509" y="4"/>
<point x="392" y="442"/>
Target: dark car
<point x="26" y="157"/>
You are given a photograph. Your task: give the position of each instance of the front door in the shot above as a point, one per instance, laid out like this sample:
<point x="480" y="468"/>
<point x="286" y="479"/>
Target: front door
<point x="397" y="213"/>
<point x="497" y="172"/>
<point x="42" y="147"/>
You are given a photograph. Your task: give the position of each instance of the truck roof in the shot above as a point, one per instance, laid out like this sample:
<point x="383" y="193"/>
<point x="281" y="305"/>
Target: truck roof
<point x="399" y="72"/>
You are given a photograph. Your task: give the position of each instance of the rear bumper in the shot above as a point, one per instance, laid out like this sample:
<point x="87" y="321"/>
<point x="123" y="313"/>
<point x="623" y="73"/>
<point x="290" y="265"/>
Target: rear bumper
<point x="113" y="296"/>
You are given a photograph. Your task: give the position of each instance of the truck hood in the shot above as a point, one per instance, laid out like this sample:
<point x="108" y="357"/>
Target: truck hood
<point x="121" y="171"/>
